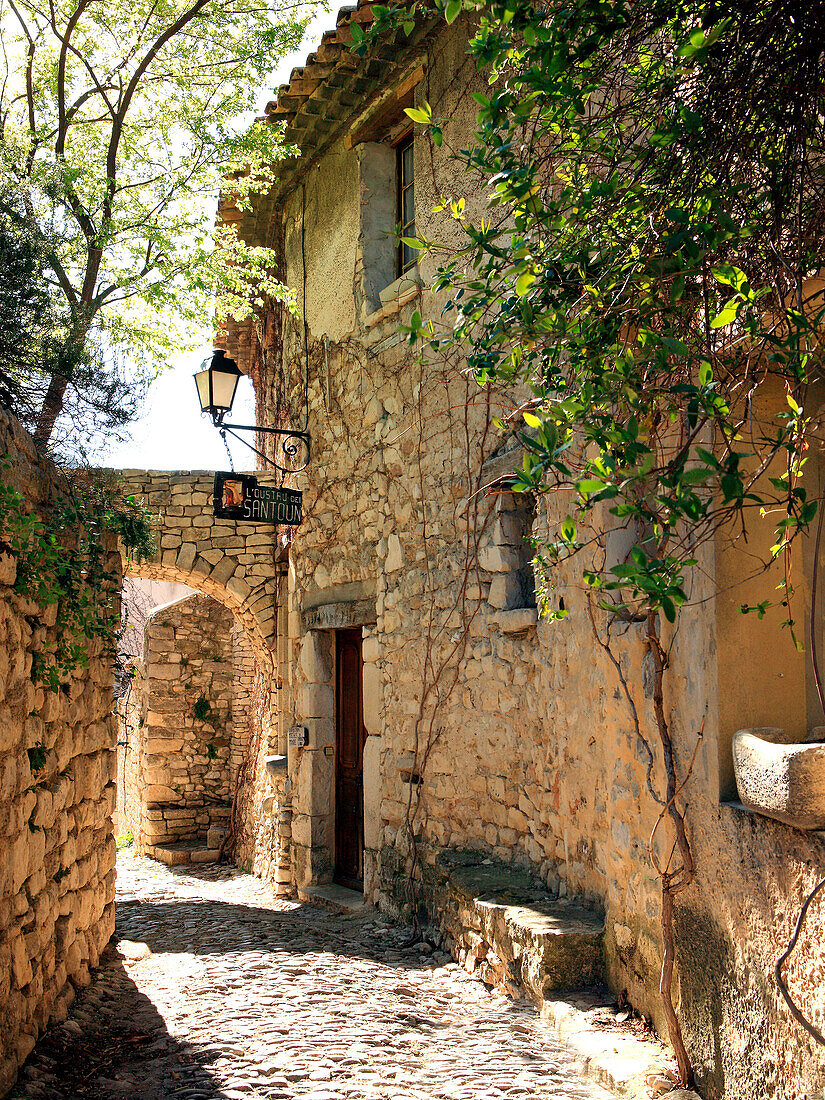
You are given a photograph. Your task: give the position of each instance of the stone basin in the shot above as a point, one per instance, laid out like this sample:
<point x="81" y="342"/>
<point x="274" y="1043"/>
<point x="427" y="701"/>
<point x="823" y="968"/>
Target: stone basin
<point x="779" y="778"/>
<point x="275" y="766"/>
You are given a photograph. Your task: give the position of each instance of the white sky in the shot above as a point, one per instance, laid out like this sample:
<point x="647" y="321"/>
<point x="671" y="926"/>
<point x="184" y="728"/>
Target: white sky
<point x="171" y="434"/>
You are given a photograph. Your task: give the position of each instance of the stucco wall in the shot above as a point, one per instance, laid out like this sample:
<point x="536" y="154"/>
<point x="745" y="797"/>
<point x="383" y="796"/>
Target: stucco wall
<point x="56" y="799"/>
<point x="519" y="729"/>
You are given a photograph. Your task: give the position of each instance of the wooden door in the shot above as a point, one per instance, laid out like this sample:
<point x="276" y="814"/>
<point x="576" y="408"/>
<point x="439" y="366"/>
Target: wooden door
<point x="349" y="760"/>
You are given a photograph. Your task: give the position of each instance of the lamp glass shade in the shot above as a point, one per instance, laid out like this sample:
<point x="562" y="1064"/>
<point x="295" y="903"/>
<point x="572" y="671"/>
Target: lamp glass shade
<point x="202" y="382"/>
<point x="216" y="384"/>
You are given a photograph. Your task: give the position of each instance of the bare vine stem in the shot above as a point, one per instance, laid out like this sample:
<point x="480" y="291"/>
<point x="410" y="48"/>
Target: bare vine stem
<point x="786" y="954"/>
<point x="812" y="612"/>
<point x="673" y="881"/>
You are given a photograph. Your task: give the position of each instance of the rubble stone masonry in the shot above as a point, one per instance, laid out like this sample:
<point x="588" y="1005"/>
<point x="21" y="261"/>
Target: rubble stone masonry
<point x="57" y="770"/>
<point x="185" y="729"/>
<point x="488" y="727"/>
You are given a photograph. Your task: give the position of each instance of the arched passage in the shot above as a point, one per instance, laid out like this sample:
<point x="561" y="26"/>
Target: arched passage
<point x="192" y="724"/>
<point x="232" y="562"/>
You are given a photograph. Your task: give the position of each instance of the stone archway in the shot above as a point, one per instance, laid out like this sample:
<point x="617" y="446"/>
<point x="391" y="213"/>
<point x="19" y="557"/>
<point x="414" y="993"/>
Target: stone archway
<point x="177" y="765"/>
<point x="231" y="561"/>
<point x="234" y="563"/>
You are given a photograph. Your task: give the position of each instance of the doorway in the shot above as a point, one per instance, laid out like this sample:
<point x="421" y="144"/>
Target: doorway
<point x="349" y="760"/>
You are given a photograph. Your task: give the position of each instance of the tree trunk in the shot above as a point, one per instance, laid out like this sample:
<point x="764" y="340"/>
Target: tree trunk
<point x="673" y="882"/>
<point x="52" y="408"/>
<point x="666" y="990"/>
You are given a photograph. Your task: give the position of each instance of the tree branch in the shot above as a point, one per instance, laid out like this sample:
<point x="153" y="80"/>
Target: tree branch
<point x="65" y="39"/>
<point x="29" y="85"/>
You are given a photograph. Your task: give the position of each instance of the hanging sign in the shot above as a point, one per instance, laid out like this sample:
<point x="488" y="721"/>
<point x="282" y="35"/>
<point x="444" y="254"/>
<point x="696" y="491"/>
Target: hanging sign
<point x="240" y="497"/>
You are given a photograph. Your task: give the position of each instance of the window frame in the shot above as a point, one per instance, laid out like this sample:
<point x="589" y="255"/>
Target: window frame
<point x="402" y="144"/>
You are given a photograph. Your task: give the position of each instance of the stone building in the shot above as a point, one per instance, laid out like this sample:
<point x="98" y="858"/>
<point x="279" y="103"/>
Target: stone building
<point x="234" y="569"/>
<point x="445" y="720"/>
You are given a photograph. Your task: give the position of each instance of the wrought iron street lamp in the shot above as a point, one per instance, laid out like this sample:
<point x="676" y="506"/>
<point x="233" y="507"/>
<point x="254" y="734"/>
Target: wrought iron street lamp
<point x="216" y="383"/>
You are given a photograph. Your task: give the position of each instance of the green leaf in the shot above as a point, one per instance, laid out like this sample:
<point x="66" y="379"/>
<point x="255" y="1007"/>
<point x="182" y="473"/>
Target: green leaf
<point x="669" y="609"/>
<point x="568" y="530"/>
<point x="729" y="313"/>
<point x="524" y="282"/>
<point x="731" y="276"/>
<point x="420" y="114"/>
<point x="677" y="288"/>
<point x="452" y="10"/>
<point x="589" y="486"/>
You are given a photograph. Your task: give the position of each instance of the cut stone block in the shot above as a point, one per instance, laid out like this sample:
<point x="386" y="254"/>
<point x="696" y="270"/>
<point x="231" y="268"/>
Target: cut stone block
<point x="780" y="780"/>
<point x="169" y="854"/>
<point x="275" y="765"/>
<point x="501" y="919"/>
<point x="338" y="899"/>
<point x="215" y="836"/>
<point x="180" y="852"/>
<point x="517" y="620"/>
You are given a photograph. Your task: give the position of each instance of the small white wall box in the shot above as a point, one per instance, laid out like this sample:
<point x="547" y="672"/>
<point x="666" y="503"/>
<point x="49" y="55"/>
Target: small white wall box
<point x="298" y="737"/>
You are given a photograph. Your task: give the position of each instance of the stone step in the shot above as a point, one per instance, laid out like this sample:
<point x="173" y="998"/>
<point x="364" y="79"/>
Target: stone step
<point x="337" y="899"/>
<point x="500" y="920"/>
<point x="505" y="927"/>
<point x="182" y="851"/>
<point x="612" y="1048"/>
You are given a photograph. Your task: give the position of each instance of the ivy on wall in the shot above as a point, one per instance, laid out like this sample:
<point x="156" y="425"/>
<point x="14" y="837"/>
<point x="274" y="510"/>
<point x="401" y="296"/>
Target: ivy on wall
<point x="63" y="566"/>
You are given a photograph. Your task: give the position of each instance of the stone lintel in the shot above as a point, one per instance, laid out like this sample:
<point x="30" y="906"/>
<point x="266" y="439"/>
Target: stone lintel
<point x="339" y="616"/>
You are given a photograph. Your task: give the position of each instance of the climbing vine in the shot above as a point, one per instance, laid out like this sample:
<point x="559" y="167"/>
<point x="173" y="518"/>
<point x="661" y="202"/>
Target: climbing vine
<point x="202" y="709"/>
<point x="647" y="270"/>
<point x="62" y="553"/>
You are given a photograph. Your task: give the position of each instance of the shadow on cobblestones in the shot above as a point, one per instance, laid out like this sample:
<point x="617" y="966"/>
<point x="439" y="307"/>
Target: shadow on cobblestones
<point x="114" y="1046"/>
<point x="215" y="990"/>
<point x="224" y="928"/>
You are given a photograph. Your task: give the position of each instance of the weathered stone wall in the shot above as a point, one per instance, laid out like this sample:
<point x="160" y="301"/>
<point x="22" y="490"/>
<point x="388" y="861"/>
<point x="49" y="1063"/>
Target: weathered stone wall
<point x="57" y="794"/>
<point x="257" y="837"/>
<point x="173" y="787"/>
<point x="180" y="775"/>
<point x="244" y="670"/>
<point x="185" y="778"/>
<point x="488" y="728"/>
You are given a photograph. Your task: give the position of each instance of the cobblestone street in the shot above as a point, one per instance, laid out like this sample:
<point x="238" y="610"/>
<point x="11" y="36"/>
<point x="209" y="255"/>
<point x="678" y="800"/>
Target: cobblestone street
<point x="218" y="990"/>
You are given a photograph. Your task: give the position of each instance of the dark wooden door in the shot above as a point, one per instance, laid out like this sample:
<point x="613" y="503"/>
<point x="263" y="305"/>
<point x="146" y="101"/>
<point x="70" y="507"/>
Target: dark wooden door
<point x="349" y="760"/>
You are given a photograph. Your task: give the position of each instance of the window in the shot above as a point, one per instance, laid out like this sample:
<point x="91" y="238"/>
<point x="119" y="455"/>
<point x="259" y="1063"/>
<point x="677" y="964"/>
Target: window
<point x="407" y="256"/>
